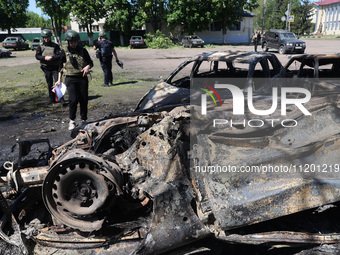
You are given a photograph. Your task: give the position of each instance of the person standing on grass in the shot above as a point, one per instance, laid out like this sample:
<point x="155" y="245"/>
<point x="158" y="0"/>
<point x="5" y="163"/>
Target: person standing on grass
<point x="48" y="53"/>
<point x="106" y="49"/>
<point x="76" y="64"/>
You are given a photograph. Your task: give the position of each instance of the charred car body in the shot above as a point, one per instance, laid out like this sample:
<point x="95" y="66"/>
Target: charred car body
<point x="139" y="184"/>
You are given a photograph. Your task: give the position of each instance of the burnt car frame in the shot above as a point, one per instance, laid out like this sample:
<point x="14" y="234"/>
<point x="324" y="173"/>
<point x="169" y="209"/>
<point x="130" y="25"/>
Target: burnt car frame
<point x="175" y="90"/>
<point x="136" y="185"/>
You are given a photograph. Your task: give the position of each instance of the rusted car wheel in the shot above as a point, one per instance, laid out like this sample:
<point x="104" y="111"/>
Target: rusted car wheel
<point x="75" y="192"/>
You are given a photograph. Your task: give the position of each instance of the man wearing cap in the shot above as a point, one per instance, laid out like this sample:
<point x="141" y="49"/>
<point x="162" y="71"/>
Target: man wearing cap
<point x="106" y="49"/>
<point x="48" y="53"/>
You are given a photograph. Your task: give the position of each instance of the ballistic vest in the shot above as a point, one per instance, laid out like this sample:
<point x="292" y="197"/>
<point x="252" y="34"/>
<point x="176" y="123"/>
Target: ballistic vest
<point x="74" y="63"/>
<point x="48" y="51"/>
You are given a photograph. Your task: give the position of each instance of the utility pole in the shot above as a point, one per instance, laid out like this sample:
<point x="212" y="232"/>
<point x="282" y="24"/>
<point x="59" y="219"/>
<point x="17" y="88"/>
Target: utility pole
<point x="289" y="6"/>
<point x="287" y="15"/>
<point x="263" y="13"/>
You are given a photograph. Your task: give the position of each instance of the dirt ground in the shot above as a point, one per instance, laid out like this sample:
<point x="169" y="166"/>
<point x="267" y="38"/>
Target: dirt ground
<point x="143" y="68"/>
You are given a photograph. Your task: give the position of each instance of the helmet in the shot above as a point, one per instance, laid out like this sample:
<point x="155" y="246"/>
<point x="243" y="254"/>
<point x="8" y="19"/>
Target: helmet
<point x="72" y="35"/>
<point x="46" y="33"/>
<point x="102" y="33"/>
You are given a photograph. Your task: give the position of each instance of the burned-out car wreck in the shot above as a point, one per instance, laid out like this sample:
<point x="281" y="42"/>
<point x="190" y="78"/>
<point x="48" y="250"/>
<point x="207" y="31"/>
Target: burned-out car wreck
<point x="170" y="174"/>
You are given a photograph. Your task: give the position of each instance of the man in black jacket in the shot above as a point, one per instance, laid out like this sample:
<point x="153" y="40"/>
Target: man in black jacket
<point x="106" y="49"/>
<point x="48" y="53"/>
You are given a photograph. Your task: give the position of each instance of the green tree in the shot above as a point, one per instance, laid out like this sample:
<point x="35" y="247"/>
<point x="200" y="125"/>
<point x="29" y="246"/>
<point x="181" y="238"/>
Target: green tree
<point x="85" y="12"/>
<point x="274" y="11"/>
<point x="303" y="18"/>
<point x="150" y="11"/>
<point x="58" y="11"/>
<point x="120" y="18"/>
<point x="190" y="16"/>
<point x="34" y="20"/>
<point x="12" y="14"/>
<point x="229" y="12"/>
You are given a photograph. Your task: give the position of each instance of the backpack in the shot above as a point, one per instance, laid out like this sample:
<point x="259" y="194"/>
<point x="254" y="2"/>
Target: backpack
<point x="106" y="48"/>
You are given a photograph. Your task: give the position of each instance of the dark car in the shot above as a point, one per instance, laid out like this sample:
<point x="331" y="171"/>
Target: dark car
<point x="283" y="41"/>
<point x="16" y="43"/>
<point x="35" y="43"/>
<point x="192" y="41"/>
<point x="137" y="42"/>
<point x="148" y="183"/>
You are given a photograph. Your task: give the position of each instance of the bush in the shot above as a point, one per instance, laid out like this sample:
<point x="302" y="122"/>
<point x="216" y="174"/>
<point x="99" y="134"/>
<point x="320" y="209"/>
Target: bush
<point x="158" y="41"/>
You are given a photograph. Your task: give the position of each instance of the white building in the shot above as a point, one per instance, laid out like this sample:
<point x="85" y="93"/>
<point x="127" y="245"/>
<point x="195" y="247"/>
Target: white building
<point x="326" y="17"/>
<point x="96" y="26"/>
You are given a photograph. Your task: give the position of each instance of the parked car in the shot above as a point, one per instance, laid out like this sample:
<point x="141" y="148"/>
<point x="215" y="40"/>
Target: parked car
<point x="137" y="42"/>
<point x="192" y="41"/>
<point x="283" y="41"/>
<point x="148" y="183"/>
<point x="16" y="43"/>
<point x="35" y="43"/>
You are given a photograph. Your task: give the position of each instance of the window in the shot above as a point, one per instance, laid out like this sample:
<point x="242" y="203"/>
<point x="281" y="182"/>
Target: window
<point x="215" y="26"/>
<point x="236" y="27"/>
<point x="82" y="29"/>
<point x="95" y="28"/>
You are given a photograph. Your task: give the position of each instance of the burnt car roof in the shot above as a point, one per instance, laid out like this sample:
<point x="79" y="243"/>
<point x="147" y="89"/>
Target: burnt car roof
<point x="308" y="59"/>
<point x="232" y="56"/>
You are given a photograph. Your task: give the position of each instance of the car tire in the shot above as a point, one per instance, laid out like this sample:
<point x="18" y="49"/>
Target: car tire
<point x="302" y="52"/>
<point x="282" y="49"/>
<point x="264" y="47"/>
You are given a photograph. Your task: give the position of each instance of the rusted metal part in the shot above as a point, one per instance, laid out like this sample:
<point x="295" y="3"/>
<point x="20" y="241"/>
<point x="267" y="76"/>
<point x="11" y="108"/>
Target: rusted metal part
<point x="15" y="238"/>
<point x="282" y="237"/>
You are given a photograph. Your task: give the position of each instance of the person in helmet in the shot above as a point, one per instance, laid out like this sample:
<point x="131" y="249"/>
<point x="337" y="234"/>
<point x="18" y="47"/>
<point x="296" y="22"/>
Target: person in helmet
<point x="76" y="64"/>
<point x="106" y="50"/>
<point x="48" y="53"/>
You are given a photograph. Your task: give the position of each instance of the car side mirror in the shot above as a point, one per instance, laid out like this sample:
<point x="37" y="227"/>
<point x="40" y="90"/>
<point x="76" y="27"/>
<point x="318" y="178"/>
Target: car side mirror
<point x="298" y="37"/>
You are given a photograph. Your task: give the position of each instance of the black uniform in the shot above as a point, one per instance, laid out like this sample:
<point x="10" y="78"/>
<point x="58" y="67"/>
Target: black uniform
<point x="257" y="40"/>
<point x="77" y="85"/>
<point x="50" y="68"/>
<point x="106" y="48"/>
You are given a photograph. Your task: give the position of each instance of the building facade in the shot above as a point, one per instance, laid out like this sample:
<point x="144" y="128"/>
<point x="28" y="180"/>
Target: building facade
<point x="326" y="17"/>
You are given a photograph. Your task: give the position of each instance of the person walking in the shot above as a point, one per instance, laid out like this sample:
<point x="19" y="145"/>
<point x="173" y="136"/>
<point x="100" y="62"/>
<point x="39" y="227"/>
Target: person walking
<point x="76" y="64"/>
<point x="106" y="49"/>
<point x="257" y="40"/>
<point x="48" y="53"/>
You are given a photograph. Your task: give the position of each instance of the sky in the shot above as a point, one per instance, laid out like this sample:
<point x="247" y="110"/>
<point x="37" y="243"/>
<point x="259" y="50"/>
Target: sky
<point x="32" y="8"/>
